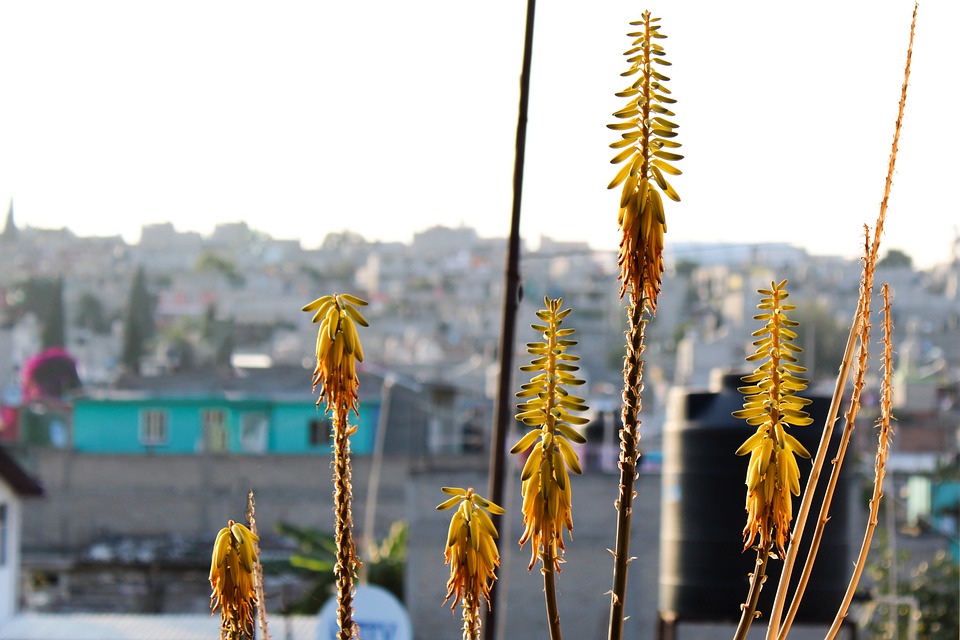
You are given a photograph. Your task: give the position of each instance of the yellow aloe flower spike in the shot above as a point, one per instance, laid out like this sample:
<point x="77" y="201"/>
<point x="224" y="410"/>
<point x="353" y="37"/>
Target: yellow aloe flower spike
<point x="232" y="579"/>
<point x="471" y="551"/>
<point x="771" y="405"/>
<point x="338" y="349"/>
<point x="645" y="149"/>
<point x="547" y="408"/>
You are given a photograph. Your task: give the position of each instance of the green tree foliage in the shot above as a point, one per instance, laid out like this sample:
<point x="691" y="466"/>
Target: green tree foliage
<point x="933" y="583"/>
<point x="10" y="233"/>
<point x="823" y="333"/>
<point x="218" y="336"/>
<point x="138" y="326"/>
<point x="176" y="343"/>
<point x="52" y="335"/>
<point x="90" y="314"/>
<point x="213" y="262"/>
<point x="317" y="553"/>
<point x="895" y="259"/>
<point x="344" y="241"/>
<point x="42" y="297"/>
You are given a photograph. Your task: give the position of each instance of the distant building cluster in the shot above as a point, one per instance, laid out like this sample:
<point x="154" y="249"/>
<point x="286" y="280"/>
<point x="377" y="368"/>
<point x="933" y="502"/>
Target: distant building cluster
<point x="231" y="300"/>
<point x="194" y="347"/>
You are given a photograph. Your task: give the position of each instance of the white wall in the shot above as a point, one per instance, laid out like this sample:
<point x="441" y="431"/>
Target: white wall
<point x="10" y="554"/>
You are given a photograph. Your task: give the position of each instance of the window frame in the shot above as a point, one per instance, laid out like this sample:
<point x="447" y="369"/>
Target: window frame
<point x="216" y="436"/>
<point x="316" y="426"/>
<point x="154" y="419"/>
<point x="254" y="432"/>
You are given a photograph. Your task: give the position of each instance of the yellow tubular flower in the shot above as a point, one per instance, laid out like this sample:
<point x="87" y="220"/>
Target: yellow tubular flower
<point x="471" y="549"/>
<point x="770" y="404"/>
<point x="232" y="579"/>
<point x="338" y="349"/>
<point x="547" y="408"/>
<point x="646" y="150"/>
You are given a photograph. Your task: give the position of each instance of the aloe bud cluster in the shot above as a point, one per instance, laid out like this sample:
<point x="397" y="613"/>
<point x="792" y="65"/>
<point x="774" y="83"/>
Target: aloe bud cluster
<point x="338" y="348"/>
<point x="771" y="404"/>
<point x="232" y="579"/>
<point x="471" y="551"/>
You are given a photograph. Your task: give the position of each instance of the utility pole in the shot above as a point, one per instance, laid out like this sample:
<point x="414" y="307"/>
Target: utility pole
<point x="511" y="300"/>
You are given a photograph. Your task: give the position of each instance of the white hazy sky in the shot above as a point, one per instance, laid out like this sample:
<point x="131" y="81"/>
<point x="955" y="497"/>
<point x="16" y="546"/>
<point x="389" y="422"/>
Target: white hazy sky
<point x="387" y="117"/>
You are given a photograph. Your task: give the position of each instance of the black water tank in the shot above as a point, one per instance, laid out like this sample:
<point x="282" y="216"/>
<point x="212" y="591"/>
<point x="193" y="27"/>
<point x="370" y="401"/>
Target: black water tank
<point x="703" y="568"/>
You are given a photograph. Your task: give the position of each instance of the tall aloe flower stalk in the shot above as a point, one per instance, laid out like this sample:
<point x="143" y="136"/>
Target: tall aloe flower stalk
<point x="771" y="404"/>
<point x="546" y="408"/>
<point x="774" y="627"/>
<point x="258" y="569"/>
<point x="338" y="351"/>
<point x="646" y="139"/>
<point x="884" y="441"/>
<point x="471" y="551"/>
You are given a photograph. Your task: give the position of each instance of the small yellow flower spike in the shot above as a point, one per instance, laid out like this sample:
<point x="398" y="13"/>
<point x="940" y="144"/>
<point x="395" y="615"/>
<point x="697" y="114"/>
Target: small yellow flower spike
<point x="338" y="349"/>
<point x="471" y="551"/>
<point x="548" y="408"/>
<point x="771" y="404"/>
<point x="232" y="579"/>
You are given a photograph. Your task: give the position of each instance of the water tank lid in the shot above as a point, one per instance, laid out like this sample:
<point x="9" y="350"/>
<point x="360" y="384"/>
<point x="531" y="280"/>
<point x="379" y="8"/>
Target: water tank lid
<point x="726" y="379"/>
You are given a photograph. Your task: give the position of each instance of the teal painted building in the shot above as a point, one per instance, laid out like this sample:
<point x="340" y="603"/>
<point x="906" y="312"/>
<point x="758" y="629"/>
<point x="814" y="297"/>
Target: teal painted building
<point x="135" y="422"/>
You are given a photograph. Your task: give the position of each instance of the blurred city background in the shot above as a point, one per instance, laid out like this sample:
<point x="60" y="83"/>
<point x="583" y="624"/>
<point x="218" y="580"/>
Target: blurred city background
<point x="148" y="386"/>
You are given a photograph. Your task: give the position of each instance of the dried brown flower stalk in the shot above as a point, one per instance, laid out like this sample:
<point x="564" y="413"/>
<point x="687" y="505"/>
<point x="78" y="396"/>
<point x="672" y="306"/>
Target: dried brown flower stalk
<point x="258" y="569"/>
<point x="880" y="466"/>
<point x="850" y="418"/>
<point x="774" y="627"/>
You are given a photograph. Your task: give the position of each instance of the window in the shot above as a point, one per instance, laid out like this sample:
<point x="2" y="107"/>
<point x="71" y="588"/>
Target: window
<point x="214" y="424"/>
<point x="320" y="432"/>
<point x="253" y="432"/>
<point x="154" y="427"/>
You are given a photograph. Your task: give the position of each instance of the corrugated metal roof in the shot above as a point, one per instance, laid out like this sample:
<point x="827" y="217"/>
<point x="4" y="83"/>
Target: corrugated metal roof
<point x="90" y="626"/>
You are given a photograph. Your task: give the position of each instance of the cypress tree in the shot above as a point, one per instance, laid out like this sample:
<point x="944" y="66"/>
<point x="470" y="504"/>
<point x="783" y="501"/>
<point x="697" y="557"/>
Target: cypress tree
<point x="137" y="323"/>
<point x="53" y="318"/>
